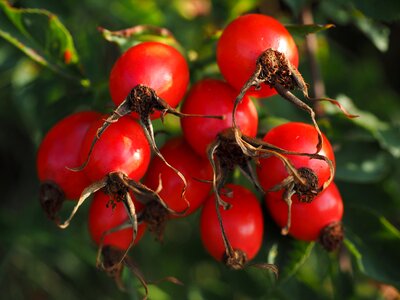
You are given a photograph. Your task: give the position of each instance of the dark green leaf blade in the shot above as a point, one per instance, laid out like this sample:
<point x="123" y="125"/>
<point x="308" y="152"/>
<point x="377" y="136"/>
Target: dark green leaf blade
<point x="303" y="30"/>
<point x="41" y="36"/>
<point x="361" y="162"/>
<point x="374" y="243"/>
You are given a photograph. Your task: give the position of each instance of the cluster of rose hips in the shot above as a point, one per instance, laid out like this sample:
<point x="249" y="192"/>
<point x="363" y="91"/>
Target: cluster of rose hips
<point x="107" y="155"/>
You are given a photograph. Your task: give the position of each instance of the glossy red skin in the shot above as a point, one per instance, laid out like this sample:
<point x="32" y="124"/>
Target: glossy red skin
<point x="294" y="136"/>
<point x="215" y="97"/>
<point x="308" y="219"/>
<point x="243" y="223"/>
<point x="122" y="147"/>
<point x="60" y="149"/>
<point x="179" y="154"/>
<point x="242" y="42"/>
<point x="103" y="218"/>
<point x="156" y="65"/>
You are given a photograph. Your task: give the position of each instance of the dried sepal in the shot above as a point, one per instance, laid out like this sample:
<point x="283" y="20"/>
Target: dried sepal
<point x="100" y="263"/>
<point x="143" y="101"/>
<point x="156" y="212"/>
<point x="276" y="71"/>
<point x="86" y="193"/>
<point x="113" y="263"/>
<point x="302" y="182"/>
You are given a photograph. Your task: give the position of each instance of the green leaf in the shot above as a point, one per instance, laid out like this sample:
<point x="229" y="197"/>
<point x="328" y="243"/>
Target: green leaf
<point x="374" y="244"/>
<point x="303" y="30"/>
<point x="361" y="162"/>
<point x="387" y="135"/>
<point x="289" y="255"/>
<point x="132" y="36"/>
<point x="383" y="11"/>
<point x="296" y="5"/>
<point x="375" y="31"/>
<point x="41" y="36"/>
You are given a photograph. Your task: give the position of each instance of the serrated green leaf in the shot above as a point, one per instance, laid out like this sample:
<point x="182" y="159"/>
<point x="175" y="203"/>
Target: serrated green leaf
<point x="303" y="30"/>
<point x="374" y="243"/>
<point x="129" y="37"/>
<point x="41" y="36"/>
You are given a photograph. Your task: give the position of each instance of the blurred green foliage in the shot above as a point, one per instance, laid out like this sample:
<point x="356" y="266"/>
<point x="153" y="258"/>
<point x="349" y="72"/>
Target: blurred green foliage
<point x="358" y="60"/>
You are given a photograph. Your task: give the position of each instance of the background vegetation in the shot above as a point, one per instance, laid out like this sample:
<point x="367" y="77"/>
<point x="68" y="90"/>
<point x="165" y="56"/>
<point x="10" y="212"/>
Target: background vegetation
<point x="358" y="59"/>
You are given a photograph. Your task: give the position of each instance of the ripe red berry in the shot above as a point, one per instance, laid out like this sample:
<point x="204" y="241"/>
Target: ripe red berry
<point x="60" y="149"/>
<point x="244" y="40"/>
<point x="298" y="137"/>
<point x="103" y="217"/>
<point x="123" y="147"/>
<point x="179" y="154"/>
<point x="308" y="219"/>
<point x="155" y="65"/>
<point x="215" y="97"/>
<point x="243" y="224"/>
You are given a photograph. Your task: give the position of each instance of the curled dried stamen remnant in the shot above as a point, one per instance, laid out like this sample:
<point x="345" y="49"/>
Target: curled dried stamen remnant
<point x="276" y="71"/>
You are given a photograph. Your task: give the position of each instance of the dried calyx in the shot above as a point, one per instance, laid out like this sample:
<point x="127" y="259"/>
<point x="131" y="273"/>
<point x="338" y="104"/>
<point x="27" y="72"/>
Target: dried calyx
<point x="113" y="261"/>
<point x="143" y="101"/>
<point x="224" y="155"/>
<point x="276" y="71"/>
<point x="231" y="148"/>
<point x="51" y="198"/>
<point x="155" y="215"/>
<point x="119" y="186"/>
<point x="331" y="236"/>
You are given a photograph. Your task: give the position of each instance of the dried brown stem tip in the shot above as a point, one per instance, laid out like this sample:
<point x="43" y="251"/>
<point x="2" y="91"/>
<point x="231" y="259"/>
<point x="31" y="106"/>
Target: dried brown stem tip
<point x="235" y="259"/>
<point x="113" y="263"/>
<point x="51" y="198"/>
<point x="332" y="236"/>
<point x="276" y="71"/>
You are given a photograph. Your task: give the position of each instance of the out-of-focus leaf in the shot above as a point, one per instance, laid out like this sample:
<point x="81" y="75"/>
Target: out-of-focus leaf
<point x="374" y="243"/>
<point x="41" y="36"/>
<point x="386" y="11"/>
<point x="376" y="32"/>
<point x="296" y="5"/>
<point x="129" y="37"/>
<point x="289" y="255"/>
<point x="388" y="136"/>
<point x="240" y="7"/>
<point x="361" y="162"/>
<point x="303" y="30"/>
